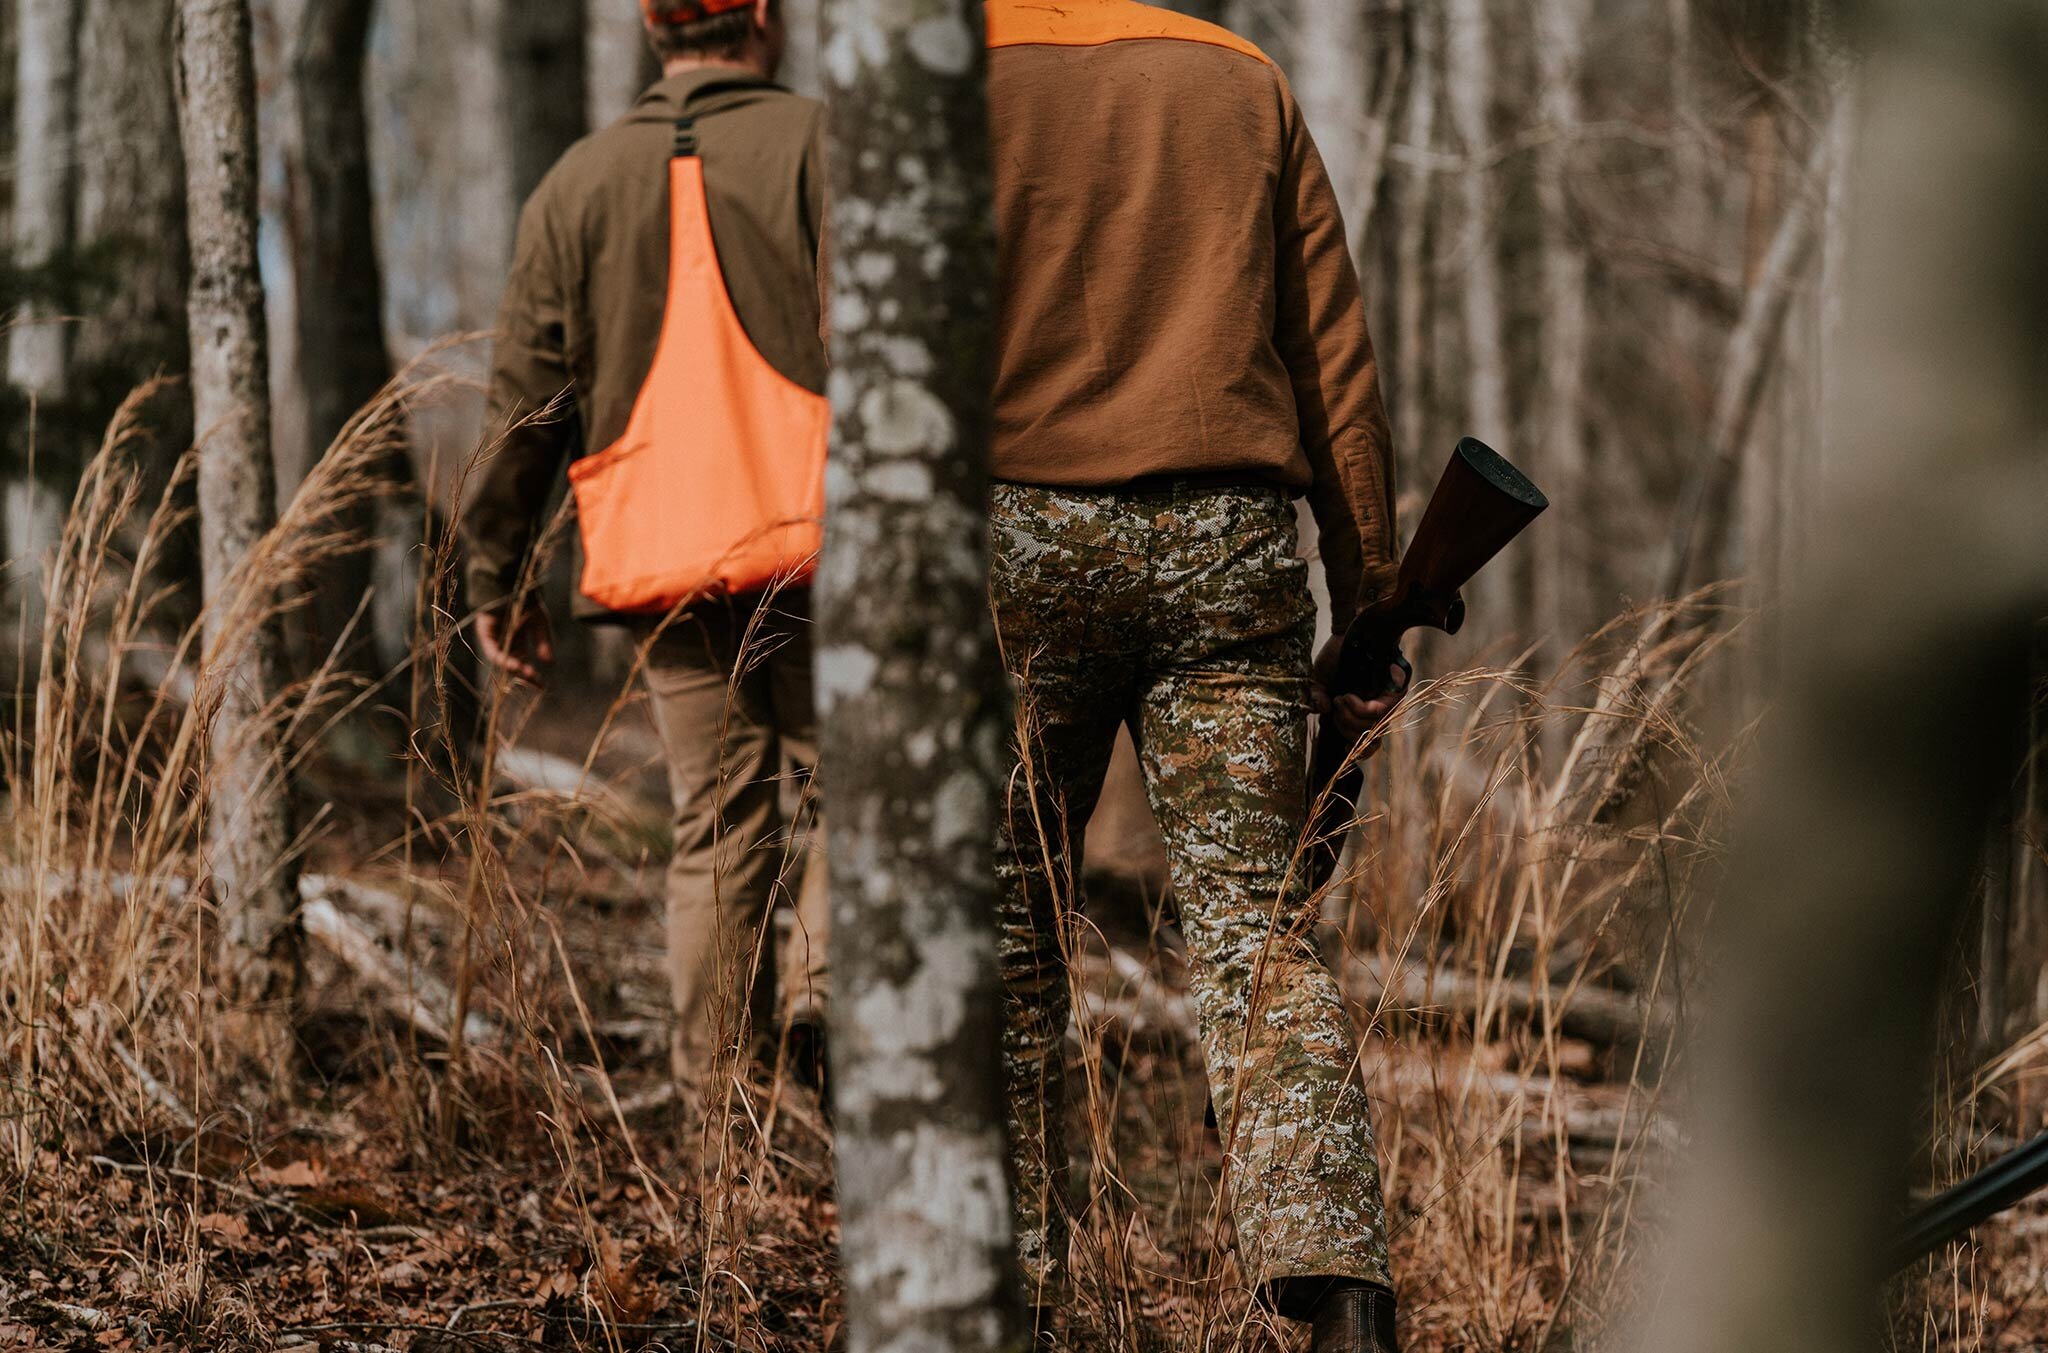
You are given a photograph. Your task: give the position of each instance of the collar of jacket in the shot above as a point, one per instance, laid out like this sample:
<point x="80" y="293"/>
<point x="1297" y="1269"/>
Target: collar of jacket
<point x="693" y="91"/>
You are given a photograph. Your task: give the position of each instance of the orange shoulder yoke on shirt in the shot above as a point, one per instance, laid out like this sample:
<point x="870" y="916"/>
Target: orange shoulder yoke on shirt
<point x="1095" y="23"/>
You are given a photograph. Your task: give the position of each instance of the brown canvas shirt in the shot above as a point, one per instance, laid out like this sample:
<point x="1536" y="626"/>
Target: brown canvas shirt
<point x="1178" y="294"/>
<point x="583" y="306"/>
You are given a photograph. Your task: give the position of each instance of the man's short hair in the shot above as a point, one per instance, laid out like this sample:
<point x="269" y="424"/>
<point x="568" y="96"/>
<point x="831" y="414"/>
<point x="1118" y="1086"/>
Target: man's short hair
<point x="720" y="37"/>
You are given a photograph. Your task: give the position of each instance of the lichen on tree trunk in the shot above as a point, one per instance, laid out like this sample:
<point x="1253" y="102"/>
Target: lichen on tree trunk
<point x="249" y="817"/>
<point x="910" y="685"/>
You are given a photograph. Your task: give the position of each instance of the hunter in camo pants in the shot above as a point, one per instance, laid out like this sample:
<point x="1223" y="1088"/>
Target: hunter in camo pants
<point x="1183" y="610"/>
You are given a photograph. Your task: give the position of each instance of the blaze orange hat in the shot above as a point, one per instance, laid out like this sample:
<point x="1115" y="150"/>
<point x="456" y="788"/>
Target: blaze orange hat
<point x="688" y="11"/>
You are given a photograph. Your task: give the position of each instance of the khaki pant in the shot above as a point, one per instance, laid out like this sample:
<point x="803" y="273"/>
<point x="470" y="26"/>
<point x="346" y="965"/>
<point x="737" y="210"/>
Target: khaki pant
<point x="731" y="695"/>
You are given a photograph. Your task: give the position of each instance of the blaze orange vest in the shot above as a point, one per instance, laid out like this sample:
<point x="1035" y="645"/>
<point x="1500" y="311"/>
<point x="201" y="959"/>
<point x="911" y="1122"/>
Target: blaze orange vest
<point x="1095" y="23"/>
<point x="718" y="484"/>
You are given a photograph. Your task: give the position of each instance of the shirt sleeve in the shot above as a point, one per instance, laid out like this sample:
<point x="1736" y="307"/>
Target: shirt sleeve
<point x="530" y="427"/>
<point x="818" y="206"/>
<point x="1321" y="334"/>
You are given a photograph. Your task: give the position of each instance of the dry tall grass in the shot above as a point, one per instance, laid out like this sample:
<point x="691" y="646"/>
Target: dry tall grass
<point x="1513" y="926"/>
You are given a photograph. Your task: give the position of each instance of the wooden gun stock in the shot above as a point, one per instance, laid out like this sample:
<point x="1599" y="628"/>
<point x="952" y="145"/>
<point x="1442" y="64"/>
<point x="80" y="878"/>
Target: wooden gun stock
<point x="1479" y="507"/>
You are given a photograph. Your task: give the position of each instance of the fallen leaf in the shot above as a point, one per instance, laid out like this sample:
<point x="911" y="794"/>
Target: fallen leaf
<point x="627" y="1298"/>
<point x="300" y="1174"/>
<point x="402" y="1275"/>
<point x="224" y="1226"/>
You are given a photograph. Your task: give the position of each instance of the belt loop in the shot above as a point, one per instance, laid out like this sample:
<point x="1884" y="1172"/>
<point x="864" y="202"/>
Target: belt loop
<point x="686" y="137"/>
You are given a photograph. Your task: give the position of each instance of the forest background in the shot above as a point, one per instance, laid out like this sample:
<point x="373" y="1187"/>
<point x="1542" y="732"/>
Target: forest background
<point x="1603" y="235"/>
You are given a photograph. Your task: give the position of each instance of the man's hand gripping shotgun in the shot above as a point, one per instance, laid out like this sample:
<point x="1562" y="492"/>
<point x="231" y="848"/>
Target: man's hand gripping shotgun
<point x="1481" y="505"/>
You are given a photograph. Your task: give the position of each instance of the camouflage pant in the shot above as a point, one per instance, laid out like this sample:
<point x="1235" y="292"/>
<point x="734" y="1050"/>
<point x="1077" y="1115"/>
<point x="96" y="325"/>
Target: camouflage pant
<point x="1184" y="612"/>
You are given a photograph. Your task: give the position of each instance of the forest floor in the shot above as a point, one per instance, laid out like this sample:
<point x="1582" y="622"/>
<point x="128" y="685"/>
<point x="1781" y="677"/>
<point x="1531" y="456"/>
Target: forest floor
<point x="539" y="1190"/>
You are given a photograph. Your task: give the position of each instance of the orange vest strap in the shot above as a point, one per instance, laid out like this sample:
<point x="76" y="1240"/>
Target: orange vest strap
<point x="1096" y="23"/>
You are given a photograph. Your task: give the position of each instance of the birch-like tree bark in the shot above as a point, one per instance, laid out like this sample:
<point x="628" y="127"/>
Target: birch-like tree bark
<point x="910" y="686"/>
<point x="1562" y="612"/>
<point x="45" y="86"/>
<point x="249" y="816"/>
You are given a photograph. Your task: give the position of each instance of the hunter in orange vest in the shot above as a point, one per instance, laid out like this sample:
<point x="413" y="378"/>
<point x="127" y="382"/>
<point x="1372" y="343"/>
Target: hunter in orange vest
<point x="663" y="318"/>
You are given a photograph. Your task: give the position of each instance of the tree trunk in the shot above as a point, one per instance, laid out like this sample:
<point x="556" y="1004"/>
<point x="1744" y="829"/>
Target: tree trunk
<point x="1562" y="612"/>
<point x="131" y="221"/>
<point x="46" y="55"/>
<point x="1414" y="271"/>
<point x="619" y="64"/>
<point x="1749" y="547"/>
<point x="1468" y="50"/>
<point x="1845" y="898"/>
<point x="800" y="63"/>
<point x="1706" y="503"/>
<point x="541" y="47"/>
<point x="249" y="817"/>
<point x="1330" y="68"/>
<point x="911" y="689"/>
<point x="343" y="361"/>
<point x="131" y="202"/>
<point x="1471" y="84"/>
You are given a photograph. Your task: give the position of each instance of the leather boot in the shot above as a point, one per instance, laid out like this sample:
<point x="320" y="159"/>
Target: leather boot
<point x="1355" y="1318"/>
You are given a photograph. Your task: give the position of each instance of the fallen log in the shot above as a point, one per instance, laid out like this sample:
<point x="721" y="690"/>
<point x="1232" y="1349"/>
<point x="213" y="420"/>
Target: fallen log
<point x="406" y="992"/>
<point x="1608" y="1117"/>
<point x="1606" y="1018"/>
<point x="411" y="995"/>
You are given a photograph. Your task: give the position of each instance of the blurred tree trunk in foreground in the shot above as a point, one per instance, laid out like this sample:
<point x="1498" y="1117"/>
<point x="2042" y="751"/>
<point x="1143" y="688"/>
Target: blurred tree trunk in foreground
<point x="343" y="361"/>
<point x="249" y="819"/>
<point x="1897" y="736"/>
<point x="911" y="691"/>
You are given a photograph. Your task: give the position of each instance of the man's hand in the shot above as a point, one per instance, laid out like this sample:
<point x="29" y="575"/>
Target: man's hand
<point x="1351" y="715"/>
<point x="519" y="641"/>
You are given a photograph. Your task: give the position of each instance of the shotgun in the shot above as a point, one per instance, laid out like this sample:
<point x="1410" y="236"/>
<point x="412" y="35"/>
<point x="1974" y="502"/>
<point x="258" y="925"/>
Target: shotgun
<point x="1997" y="1187"/>
<point x="1481" y="504"/>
